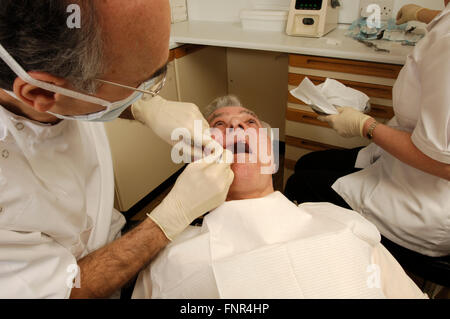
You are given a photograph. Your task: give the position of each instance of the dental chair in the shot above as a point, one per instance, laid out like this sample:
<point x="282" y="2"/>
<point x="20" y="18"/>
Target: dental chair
<point x="434" y="270"/>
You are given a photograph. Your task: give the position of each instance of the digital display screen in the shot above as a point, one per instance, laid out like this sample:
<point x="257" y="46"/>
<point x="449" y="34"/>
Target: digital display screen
<point x="308" y="4"/>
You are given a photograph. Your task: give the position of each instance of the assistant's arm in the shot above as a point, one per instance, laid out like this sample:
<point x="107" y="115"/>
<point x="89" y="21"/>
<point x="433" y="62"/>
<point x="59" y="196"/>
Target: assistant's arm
<point x="399" y="144"/>
<point x="427" y="147"/>
<point x="427" y="15"/>
<point x="412" y="12"/>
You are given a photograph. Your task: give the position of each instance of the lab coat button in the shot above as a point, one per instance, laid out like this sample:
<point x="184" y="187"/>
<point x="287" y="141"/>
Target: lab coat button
<point x="5" y="154"/>
<point x="19" y="126"/>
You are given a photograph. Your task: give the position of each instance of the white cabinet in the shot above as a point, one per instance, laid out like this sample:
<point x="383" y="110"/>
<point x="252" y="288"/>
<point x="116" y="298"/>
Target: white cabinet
<point x="201" y="74"/>
<point x="259" y="79"/>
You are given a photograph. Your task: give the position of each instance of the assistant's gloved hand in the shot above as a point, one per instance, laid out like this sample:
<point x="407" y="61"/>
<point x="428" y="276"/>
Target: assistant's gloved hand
<point x="408" y="13"/>
<point x="201" y="188"/>
<point x="348" y="123"/>
<point x="163" y="117"/>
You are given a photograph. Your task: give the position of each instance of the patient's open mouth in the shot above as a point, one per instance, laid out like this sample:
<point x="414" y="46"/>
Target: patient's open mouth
<point x="241" y="147"/>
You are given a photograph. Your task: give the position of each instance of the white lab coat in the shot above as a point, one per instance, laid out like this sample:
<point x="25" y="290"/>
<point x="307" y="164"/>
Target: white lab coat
<point x="56" y="203"/>
<point x="270" y="248"/>
<point x="408" y="206"/>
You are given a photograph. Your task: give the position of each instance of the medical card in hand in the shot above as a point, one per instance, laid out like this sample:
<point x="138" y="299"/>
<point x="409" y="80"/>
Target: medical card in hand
<point x="324" y="98"/>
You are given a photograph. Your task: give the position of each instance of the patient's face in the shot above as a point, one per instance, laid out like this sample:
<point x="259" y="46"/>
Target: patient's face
<point x="238" y="129"/>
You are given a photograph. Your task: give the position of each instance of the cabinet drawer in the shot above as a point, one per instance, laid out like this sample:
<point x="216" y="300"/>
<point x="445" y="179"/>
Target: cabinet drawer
<point x="378" y="111"/>
<point x="186" y="50"/>
<point x="347" y="66"/>
<point x="372" y="90"/>
<point x="302" y="116"/>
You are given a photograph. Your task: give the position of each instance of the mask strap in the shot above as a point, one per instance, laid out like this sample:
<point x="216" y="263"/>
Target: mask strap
<point x="12" y="94"/>
<point x="20" y="72"/>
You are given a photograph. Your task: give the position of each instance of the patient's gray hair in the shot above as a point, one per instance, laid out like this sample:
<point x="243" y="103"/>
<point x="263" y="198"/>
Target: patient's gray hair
<point x="223" y="101"/>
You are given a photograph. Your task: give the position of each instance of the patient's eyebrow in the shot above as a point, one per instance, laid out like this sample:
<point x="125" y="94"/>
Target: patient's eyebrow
<point x="215" y="116"/>
<point x="249" y="112"/>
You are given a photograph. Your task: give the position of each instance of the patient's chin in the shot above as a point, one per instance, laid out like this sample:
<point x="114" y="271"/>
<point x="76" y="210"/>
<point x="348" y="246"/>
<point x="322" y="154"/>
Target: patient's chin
<point x="246" y="176"/>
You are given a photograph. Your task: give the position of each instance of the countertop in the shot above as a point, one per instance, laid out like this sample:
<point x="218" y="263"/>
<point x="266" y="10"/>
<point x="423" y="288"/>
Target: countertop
<point x="335" y="44"/>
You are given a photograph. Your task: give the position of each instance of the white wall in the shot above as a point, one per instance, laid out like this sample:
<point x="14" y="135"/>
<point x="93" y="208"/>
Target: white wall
<point x="228" y="10"/>
<point x="216" y="10"/>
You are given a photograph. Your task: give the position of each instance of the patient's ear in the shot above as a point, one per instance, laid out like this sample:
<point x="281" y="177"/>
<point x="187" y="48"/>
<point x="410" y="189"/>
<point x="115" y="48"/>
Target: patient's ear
<point x="39" y="99"/>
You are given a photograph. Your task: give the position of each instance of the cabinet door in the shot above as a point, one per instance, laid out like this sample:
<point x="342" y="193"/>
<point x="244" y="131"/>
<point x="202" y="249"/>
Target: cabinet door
<point x="141" y="159"/>
<point x="201" y="74"/>
<point x="258" y="78"/>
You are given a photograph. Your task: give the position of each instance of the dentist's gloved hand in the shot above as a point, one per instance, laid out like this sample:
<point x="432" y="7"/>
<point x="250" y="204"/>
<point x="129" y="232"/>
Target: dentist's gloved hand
<point x="408" y="13"/>
<point x="348" y="123"/>
<point x="202" y="187"/>
<point x="163" y="117"/>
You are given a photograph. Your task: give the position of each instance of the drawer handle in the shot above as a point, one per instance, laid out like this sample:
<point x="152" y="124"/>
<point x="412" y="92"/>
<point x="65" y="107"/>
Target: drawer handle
<point x="309" y="118"/>
<point x="363" y="67"/>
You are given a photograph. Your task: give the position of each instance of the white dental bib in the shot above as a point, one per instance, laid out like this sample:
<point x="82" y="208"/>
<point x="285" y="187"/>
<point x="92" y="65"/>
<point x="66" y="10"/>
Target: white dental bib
<point x="267" y="248"/>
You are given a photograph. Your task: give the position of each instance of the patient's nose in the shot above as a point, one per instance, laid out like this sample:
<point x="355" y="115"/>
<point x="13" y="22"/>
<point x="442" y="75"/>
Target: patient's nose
<point x="236" y="123"/>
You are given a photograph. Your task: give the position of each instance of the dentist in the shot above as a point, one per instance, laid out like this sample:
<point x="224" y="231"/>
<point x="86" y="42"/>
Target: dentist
<point x="59" y="233"/>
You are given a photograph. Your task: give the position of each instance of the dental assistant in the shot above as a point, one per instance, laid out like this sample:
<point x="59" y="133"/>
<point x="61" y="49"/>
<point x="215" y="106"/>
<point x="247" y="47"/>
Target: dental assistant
<point x="404" y="184"/>
<point x="59" y="233"/>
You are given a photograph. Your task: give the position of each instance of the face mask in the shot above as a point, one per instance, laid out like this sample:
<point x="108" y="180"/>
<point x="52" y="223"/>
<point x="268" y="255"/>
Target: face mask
<point x="112" y="111"/>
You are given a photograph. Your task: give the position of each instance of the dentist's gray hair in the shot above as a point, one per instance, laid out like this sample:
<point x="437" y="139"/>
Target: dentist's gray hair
<point x="37" y="36"/>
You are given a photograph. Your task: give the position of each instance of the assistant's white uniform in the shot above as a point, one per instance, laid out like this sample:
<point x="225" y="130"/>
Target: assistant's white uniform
<point x="270" y="248"/>
<point x="56" y="203"/>
<point x="408" y="206"/>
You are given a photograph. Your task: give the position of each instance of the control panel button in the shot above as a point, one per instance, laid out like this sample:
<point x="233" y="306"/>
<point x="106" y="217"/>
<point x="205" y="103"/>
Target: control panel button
<point x="308" y="21"/>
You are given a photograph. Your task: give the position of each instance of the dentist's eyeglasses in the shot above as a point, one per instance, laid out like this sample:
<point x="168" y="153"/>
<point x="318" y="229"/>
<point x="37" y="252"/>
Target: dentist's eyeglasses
<point x="149" y="88"/>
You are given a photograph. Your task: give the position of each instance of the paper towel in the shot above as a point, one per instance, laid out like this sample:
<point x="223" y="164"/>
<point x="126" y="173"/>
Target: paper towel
<point x="324" y="98"/>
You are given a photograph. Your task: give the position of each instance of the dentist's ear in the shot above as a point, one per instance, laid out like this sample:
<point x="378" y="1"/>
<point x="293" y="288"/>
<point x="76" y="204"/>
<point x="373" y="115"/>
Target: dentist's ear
<point x="39" y="99"/>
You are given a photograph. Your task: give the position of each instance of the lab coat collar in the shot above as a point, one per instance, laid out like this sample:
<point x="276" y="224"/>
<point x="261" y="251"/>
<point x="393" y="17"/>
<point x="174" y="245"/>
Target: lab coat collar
<point x="439" y="17"/>
<point x="31" y="128"/>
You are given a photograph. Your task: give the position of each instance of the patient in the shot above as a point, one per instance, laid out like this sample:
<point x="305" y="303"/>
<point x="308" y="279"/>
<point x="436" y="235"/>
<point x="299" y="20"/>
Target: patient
<point x="259" y="245"/>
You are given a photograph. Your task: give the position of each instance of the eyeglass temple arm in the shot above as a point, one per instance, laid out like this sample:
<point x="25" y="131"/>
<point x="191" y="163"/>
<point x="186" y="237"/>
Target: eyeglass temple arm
<point x="132" y="88"/>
